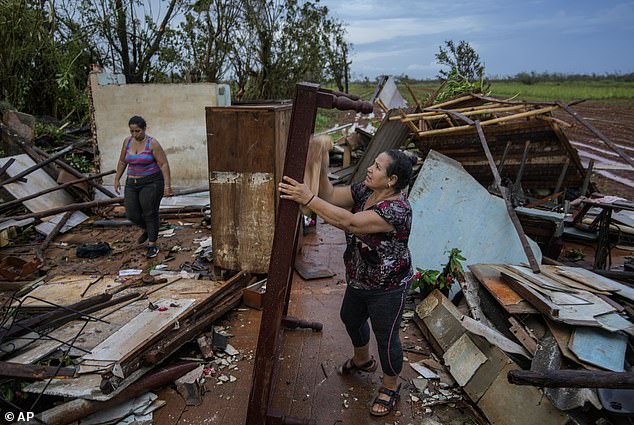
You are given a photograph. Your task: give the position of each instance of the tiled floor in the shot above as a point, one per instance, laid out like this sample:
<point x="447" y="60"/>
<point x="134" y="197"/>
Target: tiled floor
<point x="307" y="384"/>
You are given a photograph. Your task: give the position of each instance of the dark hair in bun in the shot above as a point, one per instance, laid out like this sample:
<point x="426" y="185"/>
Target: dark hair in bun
<point x="138" y="121"/>
<point x="401" y="167"/>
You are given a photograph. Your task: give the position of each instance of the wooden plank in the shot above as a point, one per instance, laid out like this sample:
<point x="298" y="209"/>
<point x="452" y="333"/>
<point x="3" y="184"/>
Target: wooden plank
<point x="597" y="281"/>
<point x="66" y="292"/>
<point x="588" y="278"/>
<point x="599" y="347"/>
<point x="573" y="314"/>
<point x="552" y="273"/>
<point x="523" y="336"/>
<point x="131" y="337"/>
<point x="562" y="333"/>
<point x="538" y="300"/>
<point x="510" y="300"/>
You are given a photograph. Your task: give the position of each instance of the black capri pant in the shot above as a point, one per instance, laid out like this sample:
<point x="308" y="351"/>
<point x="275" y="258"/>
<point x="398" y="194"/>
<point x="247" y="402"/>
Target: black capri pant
<point x="142" y="200"/>
<point x="385" y="310"/>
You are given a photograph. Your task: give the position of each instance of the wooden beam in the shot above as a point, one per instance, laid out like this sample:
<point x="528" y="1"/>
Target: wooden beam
<point x="282" y="256"/>
<point x="70" y="207"/>
<point x="572" y="379"/>
<point x="31" y="371"/>
<point x="41" y="164"/>
<point x="488" y="122"/>
<point x="53" y="189"/>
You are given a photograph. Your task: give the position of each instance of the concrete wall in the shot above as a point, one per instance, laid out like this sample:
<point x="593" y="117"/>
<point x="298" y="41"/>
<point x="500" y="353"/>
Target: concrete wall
<point x="175" y="116"/>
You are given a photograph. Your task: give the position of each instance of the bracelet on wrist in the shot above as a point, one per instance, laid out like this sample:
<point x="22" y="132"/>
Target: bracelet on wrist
<point x="310" y="200"/>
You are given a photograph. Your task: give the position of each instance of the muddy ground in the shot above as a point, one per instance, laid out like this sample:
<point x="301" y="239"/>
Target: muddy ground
<point x="615" y="119"/>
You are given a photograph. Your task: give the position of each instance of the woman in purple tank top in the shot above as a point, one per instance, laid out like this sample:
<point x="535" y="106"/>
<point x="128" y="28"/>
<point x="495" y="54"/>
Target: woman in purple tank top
<point x="147" y="182"/>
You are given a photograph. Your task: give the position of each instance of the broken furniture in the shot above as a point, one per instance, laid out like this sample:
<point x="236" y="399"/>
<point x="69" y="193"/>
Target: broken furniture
<point x="308" y="97"/>
<point x="246" y="145"/>
<point x="602" y="225"/>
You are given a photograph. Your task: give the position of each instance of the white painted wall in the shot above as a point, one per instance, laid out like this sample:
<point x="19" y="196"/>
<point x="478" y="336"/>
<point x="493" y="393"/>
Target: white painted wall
<point x="175" y="116"/>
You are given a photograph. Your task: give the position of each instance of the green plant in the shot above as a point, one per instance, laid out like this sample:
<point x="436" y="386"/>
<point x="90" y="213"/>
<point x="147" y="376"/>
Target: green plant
<point x="575" y="255"/>
<point x="428" y="280"/>
<point x="42" y="128"/>
<point x="80" y="162"/>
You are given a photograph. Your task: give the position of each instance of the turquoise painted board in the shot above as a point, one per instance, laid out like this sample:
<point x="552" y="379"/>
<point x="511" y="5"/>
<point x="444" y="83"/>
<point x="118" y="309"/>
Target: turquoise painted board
<point x="599" y="347"/>
<point x="452" y="210"/>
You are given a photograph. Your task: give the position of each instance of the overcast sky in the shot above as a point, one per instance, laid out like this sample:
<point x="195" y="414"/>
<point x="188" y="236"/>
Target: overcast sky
<point x="571" y="36"/>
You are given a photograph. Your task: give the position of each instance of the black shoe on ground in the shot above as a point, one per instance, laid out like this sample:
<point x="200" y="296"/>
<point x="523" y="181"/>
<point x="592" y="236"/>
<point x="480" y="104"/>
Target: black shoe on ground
<point x="152" y="251"/>
<point x="142" y="238"/>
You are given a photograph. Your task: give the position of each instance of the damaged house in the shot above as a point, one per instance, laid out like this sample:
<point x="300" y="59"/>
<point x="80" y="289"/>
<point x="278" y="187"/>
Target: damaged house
<point x="220" y="328"/>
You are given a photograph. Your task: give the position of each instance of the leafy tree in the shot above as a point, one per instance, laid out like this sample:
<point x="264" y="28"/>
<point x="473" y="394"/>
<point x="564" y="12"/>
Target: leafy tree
<point x="466" y="73"/>
<point x="290" y="39"/>
<point x="42" y="71"/>
<point x="462" y="58"/>
<point x="207" y="37"/>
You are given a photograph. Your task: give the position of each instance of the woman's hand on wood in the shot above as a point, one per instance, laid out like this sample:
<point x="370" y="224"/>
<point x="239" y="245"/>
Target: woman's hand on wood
<point x="295" y="191"/>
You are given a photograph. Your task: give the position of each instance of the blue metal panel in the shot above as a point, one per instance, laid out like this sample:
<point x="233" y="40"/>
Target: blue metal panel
<point x="452" y="210"/>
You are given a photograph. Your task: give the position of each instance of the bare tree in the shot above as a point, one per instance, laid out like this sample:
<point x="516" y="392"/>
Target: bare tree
<point x="125" y="34"/>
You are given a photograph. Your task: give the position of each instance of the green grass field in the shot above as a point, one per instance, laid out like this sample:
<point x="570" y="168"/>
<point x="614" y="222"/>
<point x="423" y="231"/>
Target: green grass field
<point x="597" y="90"/>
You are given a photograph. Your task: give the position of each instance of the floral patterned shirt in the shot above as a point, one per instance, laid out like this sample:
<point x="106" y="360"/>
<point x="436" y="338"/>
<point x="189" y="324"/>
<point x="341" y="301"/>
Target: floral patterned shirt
<point x="380" y="260"/>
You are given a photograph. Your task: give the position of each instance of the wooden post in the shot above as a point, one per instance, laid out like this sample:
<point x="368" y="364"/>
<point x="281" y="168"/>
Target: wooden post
<point x="562" y="176"/>
<point x="503" y="159"/>
<point x="282" y="256"/>
<point x="517" y="186"/>
<point x="586" y="179"/>
<point x="308" y="98"/>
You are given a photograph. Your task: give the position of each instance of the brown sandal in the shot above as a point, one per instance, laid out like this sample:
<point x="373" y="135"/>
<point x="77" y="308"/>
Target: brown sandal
<point x="389" y="404"/>
<point x="349" y="366"/>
